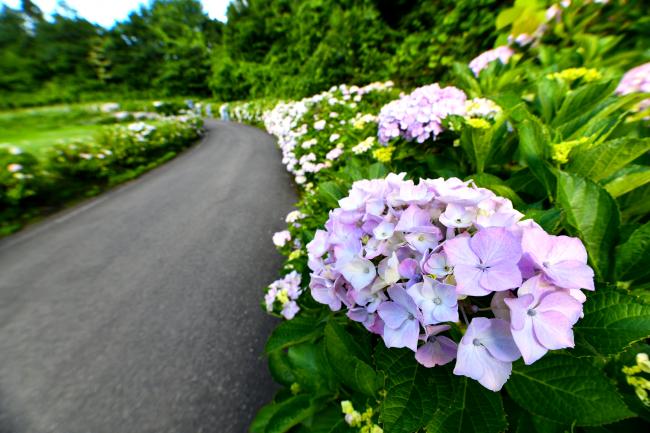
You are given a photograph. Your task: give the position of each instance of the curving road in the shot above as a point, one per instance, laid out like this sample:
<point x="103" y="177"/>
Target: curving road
<point x="138" y="311"/>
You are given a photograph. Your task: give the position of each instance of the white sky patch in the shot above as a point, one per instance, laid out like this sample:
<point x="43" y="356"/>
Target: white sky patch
<point x="105" y="13"/>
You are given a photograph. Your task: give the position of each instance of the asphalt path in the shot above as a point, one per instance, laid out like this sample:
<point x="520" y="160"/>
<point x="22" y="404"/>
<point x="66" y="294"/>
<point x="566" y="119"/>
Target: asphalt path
<point x="139" y="310"/>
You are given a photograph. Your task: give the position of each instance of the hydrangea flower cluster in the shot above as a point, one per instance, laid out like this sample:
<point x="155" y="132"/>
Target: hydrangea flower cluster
<point x="288" y="123"/>
<point x="419" y="115"/>
<point x="502" y="54"/>
<point x="409" y="261"/>
<point x="283" y="293"/>
<point x="636" y="80"/>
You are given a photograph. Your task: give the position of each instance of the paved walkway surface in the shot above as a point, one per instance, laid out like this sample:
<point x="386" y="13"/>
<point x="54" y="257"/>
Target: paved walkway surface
<point x="138" y="311"/>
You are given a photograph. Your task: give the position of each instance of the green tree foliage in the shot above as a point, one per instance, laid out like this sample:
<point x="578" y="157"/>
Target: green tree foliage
<point x="267" y="48"/>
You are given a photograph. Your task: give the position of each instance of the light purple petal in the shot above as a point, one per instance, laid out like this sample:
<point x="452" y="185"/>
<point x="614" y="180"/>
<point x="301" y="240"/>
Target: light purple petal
<point x="500" y="277"/>
<point x="497" y="339"/>
<point x="459" y="252"/>
<point x="440" y="351"/>
<point x="359" y="272"/>
<point x="496" y="245"/>
<point x="553" y="330"/>
<point x="531" y="350"/>
<point x="571" y="274"/>
<point x="393" y="314"/>
<point x="468" y="280"/>
<point x="563" y="303"/>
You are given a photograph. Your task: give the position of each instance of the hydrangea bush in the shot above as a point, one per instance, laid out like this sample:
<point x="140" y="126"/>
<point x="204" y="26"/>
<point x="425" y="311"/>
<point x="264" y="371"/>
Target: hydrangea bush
<point x="500" y="282"/>
<point x="31" y="185"/>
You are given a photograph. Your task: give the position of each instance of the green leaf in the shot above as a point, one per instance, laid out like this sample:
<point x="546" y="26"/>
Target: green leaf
<point x="593" y="215"/>
<point x="637" y="177"/>
<point x="601" y="161"/>
<point x="301" y="328"/>
<point x="330" y="420"/>
<point x="413" y="392"/>
<point x="262" y="418"/>
<point x="377" y="171"/>
<point x="613" y="320"/>
<point x="349" y="361"/>
<point x="330" y="193"/>
<point x="280" y="368"/>
<point x="534" y="147"/>
<point x="549" y="219"/>
<point x="310" y="367"/>
<point x="290" y="413"/>
<point x="566" y="390"/>
<point x="633" y="257"/>
<point x="583" y="99"/>
<point x="474" y="409"/>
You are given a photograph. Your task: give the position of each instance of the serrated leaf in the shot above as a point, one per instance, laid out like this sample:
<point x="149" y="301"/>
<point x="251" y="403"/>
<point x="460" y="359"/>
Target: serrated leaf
<point x="534" y="147"/>
<point x="348" y="361"/>
<point x="330" y="193"/>
<point x="566" y="390"/>
<point x="612" y="321"/>
<point x="633" y="257"/>
<point x="602" y="161"/>
<point x="593" y="215"/>
<point x="474" y="409"/>
<point x="330" y="420"/>
<point x="413" y="392"/>
<point x="301" y="328"/>
<point x="583" y="99"/>
<point x="628" y="182"/>
<point x="377" y="171"/>
<point x="310" y="367"/>
<point x="290" y="413"/>
<point x="258" y="425"/>
<point x="280" y="368"/>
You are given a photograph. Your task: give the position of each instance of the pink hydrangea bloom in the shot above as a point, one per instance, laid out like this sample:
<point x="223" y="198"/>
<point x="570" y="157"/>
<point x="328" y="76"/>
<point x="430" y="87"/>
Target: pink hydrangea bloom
<point x="502" y="54"/>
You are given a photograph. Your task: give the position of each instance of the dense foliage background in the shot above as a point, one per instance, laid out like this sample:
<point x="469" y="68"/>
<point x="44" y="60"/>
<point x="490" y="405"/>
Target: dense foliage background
<point x="277" y="48"/>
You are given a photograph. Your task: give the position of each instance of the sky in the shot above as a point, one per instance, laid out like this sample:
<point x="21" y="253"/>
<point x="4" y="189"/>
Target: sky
<point x="106" y="12"/>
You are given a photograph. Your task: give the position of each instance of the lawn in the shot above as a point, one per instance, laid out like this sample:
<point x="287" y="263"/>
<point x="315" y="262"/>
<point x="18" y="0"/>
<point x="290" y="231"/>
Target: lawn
<point x="35" y="130"/>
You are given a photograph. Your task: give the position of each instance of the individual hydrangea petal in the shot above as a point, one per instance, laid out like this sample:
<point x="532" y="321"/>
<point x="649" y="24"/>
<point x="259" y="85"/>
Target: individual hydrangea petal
<point x="438" y="351"/>
<point x="542" y="319"/>
<point x="359" y="272"/>
<point x="563" y="260"/>
<point x="476" y="353"/>
<point x="498" y="305"/>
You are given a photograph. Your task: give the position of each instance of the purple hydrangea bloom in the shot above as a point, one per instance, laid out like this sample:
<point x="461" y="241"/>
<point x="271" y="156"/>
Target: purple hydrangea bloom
<point x="486" y="262"/>
<point x="502" y="54"/>
<point x="401" y="256"/>
<point x="486" y="352"/>
<point x="419" y="115"/>
<point x="542" y="319"/>
<point x="636" y="80"/>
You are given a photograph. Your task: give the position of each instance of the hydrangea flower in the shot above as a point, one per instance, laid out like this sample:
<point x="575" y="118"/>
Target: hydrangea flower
<point x="636" y="80"/>
<point x="406" y="260"/>
<point x="419" y="115"/>
<point x="284" y="292"/>
<point x="281" y="238"/>
<point x="502" y="54"/>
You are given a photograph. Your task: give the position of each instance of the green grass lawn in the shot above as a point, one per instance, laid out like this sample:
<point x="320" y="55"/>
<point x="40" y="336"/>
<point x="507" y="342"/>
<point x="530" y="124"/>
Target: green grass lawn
<point x="35" y="130"/>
